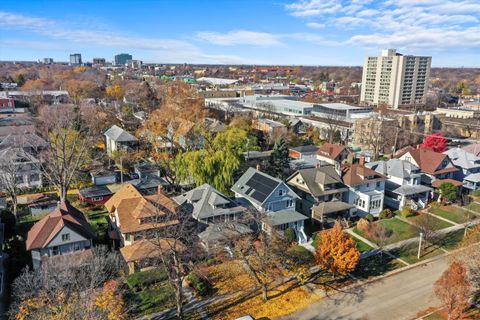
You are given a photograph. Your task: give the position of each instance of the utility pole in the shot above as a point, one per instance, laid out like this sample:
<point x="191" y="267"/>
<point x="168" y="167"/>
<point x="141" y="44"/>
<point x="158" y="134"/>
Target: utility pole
<point x="420" y="245"/>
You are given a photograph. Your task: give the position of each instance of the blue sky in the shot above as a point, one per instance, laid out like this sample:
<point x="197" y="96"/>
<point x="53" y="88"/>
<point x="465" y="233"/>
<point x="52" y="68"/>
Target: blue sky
<point x="293" y="32"/>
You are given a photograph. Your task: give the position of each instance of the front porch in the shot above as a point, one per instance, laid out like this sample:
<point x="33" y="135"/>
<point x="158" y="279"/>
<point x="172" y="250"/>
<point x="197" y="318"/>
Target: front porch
<point x="328" y="212"/>
<point x="415" y="196"/>
<point x="284" y="219"/>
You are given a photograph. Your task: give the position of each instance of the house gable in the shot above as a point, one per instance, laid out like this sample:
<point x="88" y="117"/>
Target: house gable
<point x="73" y="236"/>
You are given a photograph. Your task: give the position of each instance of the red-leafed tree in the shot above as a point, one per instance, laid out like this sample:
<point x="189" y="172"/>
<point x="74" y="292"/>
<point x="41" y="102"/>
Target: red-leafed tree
<point x="436" y="142"/>
<point x="454" y="290"/>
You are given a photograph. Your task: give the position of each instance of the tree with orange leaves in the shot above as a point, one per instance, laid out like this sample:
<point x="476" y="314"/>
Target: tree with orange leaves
<point x="336" y="251"/>
<point x="454" y="290"/>
<point x="111" y="301"/>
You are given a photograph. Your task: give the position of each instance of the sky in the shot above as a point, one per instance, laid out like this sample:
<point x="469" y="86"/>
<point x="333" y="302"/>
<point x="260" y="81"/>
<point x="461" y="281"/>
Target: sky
<point x="273" y="32"/>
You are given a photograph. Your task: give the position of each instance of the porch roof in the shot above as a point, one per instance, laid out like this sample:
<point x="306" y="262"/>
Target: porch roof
<point x="283" y="217"/>
<point x="330" y="207"/>
<point x="408" y="190"/>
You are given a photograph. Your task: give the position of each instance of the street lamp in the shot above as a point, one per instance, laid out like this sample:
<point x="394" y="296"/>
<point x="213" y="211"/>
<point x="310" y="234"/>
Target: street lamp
<point x="420" y="245"/>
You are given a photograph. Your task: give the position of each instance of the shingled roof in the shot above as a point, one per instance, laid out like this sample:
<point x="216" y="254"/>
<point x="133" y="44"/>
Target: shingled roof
<point x="358" y="174"/>
<point x="49" y="226"/>
<point x="331" y="151"/>
<point x="119" y="135"/>
<point x="428" y="160"/>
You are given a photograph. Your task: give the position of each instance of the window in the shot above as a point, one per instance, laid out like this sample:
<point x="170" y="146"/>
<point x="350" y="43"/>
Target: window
<point x="280" y="192"/>
<point x="66" y="237"/>
<point x="55" y="251"/>
<point x="76" y="246"/>
<point x="379" y="184"/>
<point x="289" y="203"/>
<point x="97" y="198"/>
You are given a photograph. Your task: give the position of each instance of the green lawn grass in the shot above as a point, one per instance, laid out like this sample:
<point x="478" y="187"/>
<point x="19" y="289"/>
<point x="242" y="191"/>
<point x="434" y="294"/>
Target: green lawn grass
<point x="434" y="223"/>
<point x="400" y="231"/>
<point x="474" y="206"/>
<point x="376" y="265"/>
<point x="451" y="240"/>
<point x="409" y="253"/>
<point x="362" y="246"/>
<point x="451" y="213"/>
<point x="148" y="292"/>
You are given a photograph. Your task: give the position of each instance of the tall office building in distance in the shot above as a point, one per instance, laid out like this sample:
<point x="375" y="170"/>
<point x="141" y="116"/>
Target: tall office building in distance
<point x="75" y="58"/>
<point x="121" y="59"/>
<point x="395" y="80"/>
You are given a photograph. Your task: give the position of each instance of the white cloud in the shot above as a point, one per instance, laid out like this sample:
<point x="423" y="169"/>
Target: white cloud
<point x="315" y="25"/>
<point x="240" y="37"/>
<point x="306" y="8"/>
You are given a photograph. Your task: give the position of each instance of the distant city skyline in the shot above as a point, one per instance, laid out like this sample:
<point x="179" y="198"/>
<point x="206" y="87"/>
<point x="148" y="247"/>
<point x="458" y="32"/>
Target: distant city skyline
<point x="285" y="32"/>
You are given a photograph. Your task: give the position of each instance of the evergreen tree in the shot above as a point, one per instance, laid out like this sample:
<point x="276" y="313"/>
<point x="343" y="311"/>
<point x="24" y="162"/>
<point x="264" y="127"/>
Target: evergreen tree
<point x="279" y="160"/>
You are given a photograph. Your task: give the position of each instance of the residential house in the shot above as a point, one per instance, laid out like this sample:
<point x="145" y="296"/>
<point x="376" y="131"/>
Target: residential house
<point x="102" y="177"/>
<point x="468" y="166"/>
<point x="117" y="138"/>
<point x="208" y="205"/>
<point x="64" y="230"/>
<point x="403" y="185"/>
<point x="96" y="195"/>
<point x="269" y="127"/>
<point x="136" y="218"/>
<point x="218" y="236"/>
<point x="41" y="203"/>
<point x="366" y="188"/>
<point x="30" y="142"/>
<point x="298" y="126"/>
<point x="436" y="166"/>
<point x="306" y="154"/>
<point x="184" y="133"/>
<point x="321" y="191"/>
<point x="272" y="197"/>
<point x="473" y="148"/>
<point x="25" y="166"/>
<point x="15" y="125"/>
<point x="334" y="154"/>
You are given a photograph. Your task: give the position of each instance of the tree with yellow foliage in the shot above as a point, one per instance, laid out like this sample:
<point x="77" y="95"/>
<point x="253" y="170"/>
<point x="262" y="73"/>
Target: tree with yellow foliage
<point x="336" y="251"/>
<point x="111" y="301"/>
<point x="115" y="92"/>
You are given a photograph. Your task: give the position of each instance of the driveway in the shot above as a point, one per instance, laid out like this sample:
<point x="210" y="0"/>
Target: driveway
<point x="397" y="297"/>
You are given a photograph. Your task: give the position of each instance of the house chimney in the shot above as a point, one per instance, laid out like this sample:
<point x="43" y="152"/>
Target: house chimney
<point x="159" y="190"/>
<point x="258" y="167"/>
<point x="362" y="161"/>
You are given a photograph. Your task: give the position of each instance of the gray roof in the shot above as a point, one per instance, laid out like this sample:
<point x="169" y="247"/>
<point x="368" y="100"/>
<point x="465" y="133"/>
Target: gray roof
<point x="223" y="231"/>
<point x="331" y="207"/>
<point x="119" y="135"/>
<point x="27" y="140"/>
<point x="395" y="168"/>
<point x="205" y="202"/>
<point x="407" y="190"/>
<point x="315" y="178"/>
<point x="16" y="154"/>
<point x="306" y="149"/>
<point x="463" y="159"/>
<point x="474" y="177"/>
<point x="257" y="186"/>
<point x="283" y="217"/>
<point x="213" y="125"/>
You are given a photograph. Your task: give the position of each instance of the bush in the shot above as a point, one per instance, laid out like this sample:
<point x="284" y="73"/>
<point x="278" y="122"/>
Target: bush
<point x="300" y="255"/>
<point x="406" y="212"/>
<point x="198" y="283"/>
<point x="140" y="280"/>
<point x="290" y="235"/>
<point x="363" y="225"/>
<point x="315" y="239"/>
<point x="386" y="214"/>
<point x="370" y="217"/>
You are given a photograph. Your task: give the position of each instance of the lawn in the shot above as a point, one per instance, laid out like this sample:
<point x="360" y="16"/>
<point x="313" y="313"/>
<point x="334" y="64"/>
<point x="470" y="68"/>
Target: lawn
<point x="400" y="231"/>
<point x="98" y="219"/>
<point x="362" y="246"/>
<point x="376" y="265"/>
<point x="231" y="278"/>
<point x="433" y="223"/>
<point x="474" y="206"/>
<point x="451" y="240"/>
<point x="148" y="292"/>
<point x="409" y="253"/>
<point x="452" y="213"/>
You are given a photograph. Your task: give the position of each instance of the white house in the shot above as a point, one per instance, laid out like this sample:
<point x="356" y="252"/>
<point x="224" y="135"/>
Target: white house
<point x="403" y="186"/>
<point x="366" y="188"/>
<point x="25" y="167"/>
<point x="118" y="139"/>
<point x="468" y="165"/>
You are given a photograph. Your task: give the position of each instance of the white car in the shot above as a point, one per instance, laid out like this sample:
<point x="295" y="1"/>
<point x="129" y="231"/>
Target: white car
<point x="245" y="318"/>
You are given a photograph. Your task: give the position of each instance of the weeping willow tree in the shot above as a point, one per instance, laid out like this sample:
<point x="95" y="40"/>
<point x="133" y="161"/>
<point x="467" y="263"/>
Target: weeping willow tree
<point x="219" y="161"/>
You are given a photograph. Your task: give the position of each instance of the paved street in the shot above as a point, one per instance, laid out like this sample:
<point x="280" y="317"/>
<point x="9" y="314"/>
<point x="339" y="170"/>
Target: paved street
<point x="398" y="297"/>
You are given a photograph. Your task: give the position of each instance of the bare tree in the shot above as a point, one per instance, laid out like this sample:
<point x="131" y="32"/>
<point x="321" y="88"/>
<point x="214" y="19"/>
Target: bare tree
<point x="333" y="121"/>
<point x="65" y="287"/>
<point x="425" y="222"/>
<point x="68" y="143"/>
<point x="9" y="173"/>
<point x="177" y="245"/>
